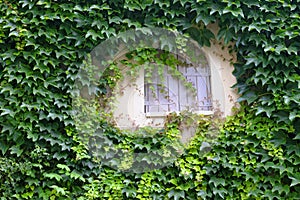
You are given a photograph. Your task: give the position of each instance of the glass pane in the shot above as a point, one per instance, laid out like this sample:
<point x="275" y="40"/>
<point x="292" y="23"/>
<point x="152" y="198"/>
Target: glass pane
<point x="173" y="94"/>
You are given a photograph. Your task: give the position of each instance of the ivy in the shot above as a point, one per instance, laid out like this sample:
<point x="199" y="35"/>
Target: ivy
<point x="253" y="155"/>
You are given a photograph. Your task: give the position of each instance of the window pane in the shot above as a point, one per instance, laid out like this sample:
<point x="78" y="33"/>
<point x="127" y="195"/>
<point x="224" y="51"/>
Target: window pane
<point x="172" y="94"/>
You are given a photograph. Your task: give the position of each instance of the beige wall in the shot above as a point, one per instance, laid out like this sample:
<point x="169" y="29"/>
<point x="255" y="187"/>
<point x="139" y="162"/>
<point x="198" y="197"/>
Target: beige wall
<point x="224" y="97"/>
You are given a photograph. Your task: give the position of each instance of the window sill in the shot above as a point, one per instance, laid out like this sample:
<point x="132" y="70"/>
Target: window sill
<point x="163" y="114"/>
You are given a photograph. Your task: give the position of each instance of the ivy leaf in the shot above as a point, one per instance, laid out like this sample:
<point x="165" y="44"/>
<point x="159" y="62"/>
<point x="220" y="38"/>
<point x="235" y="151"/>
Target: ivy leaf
<point x="93" y="34"/>
<point x="264" y="109"/>
<point x="173" y="181"/>
<point x="260" y="71"/>
<point x="62" y="166"/>
<point x="115" y="19"/>
<point x="249" y="96"/>
<point x="3" y="146"/>
<point x="293" y="115"/>
<point x="162" y="3"/>
<point x="53" y="176"/>
<point x="60" y="155"/>
<point x="234" y="11"/>
<point x="295" y="179"/>
<point x="281" y="189"/>
<point x="129" y="192"/>
<point x="59" y="190"/>
<point x="76" y="175"/>
<point x="217" y="181"/>
<point x="6" y="111"/>
<point x="221" y="192"/>
<point x="176" y="194"/>
<point x="14" y="33"/>
<point x="216" y="8"/>
<point x="32" y="136"/>
<point x="205" y="146"/>
<point x="297" y="137"/>
<point x="279" y="139"/>
<point x="27" y="3"/>
<point x="96" y="7"/>
<point x="226" y="34"/>
<point x="16" y="149"/>
<point x="55" y="115"/>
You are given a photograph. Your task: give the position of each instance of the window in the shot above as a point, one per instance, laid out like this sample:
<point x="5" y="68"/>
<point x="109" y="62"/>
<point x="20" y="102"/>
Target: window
<point x="146" y="100"/>
<point x="138" y="102"/>
<point x="172" y="93"/>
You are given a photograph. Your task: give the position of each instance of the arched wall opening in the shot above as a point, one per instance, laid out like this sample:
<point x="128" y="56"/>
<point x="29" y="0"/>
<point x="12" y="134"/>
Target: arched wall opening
<point x="129" y="109"/>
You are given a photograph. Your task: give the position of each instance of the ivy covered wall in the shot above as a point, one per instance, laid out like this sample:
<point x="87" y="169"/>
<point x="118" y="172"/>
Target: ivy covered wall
<point x="43" y="45"/>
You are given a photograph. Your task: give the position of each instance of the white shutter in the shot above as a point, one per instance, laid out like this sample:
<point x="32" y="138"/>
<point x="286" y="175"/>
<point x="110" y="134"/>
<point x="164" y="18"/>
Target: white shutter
<point x="172" y="95"/>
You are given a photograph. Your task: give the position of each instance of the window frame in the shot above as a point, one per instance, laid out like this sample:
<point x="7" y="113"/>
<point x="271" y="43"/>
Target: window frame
<point x="204" y="69"/>
<point x="128" y="109"/>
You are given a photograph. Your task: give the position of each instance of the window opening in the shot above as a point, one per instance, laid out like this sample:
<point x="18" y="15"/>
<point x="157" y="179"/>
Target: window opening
<point x="172" y="94"/>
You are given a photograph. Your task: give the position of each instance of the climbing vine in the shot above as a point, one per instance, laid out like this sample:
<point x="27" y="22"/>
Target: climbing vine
<point x="43" y="45"/>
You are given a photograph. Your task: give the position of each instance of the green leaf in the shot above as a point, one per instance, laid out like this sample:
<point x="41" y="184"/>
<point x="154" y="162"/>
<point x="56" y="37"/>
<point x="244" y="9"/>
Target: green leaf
<point x="249" y="96"/>
<point x="176" y="194"/>
<point x="297" y="137"/>
<point x="33" y="136"/>
<point x="14" y="33"/>
<point x="16" y="149"/>
<point x="205" y="146"/>
<point x="93" y="34"/>
<point x="115" y="19"/>
<point x="226" y="34"/>
<point x="217" y="181"/>
<point x="295" y="179"/>
<point x="174" y="181"/>
<point x="129" y="192"/>
<point x="265" y="109"/>
<point x="62" y="166"/>
<point x="234" y="11"/>
<point x="58" y="189"/>
<point x="53" y="176"/>
<point x="3" y="146"/>
<point x="6" y="111"/>
<point x="76" y="175"/>
<point x="221" y="192"/>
